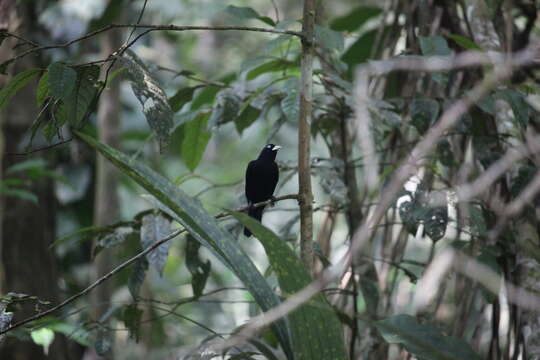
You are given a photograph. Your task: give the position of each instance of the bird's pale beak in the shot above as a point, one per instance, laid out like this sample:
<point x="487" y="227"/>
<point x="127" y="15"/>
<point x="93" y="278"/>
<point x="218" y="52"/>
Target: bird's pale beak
<point x="276" y="148"/>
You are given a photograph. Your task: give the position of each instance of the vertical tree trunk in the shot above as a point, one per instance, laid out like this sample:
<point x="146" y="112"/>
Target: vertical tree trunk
<point x="27" y="228"/>
<point x="106" y="204"/>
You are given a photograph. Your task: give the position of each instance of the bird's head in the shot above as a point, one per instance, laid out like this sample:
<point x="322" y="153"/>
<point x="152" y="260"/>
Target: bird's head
<point x="269" y="151"/>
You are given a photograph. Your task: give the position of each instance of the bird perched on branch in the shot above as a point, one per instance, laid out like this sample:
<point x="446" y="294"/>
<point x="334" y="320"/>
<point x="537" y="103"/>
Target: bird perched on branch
<point x="262" y="176"/>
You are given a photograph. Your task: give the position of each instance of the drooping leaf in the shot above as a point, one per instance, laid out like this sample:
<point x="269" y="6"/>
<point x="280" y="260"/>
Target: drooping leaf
<point x="226" y="109"/>
<point x="154" y="228"/>
<point x="315" y="327"/>
<point x="196" y="137"/>
<point x="16" y="83"/>
<point x="248" y="13"/>
<point x="189" y="213"/>
<point x="83" y="95"/>
<point x="424" y="341"/>
<point x="132" y="316"/>
<point x="354" y="19"/>
<point x="153" y="99"/>
<point x="136" y="278"/>
<point x="200" y="270"/>
<point x="42" y="91"/>
<point x="62" y="80"/>
<point x="291" y="102"/>
<point x="246" y="118"/>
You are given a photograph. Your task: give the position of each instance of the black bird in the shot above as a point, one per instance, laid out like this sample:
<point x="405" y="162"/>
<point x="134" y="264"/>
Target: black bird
<point x="262" y="177"/>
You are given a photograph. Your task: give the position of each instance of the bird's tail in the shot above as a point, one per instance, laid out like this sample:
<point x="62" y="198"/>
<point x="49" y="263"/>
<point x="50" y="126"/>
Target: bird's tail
<point x="255" y="213"/>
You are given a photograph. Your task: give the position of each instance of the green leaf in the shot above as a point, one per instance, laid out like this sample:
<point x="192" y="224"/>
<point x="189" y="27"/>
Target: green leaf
<point x="519" y="105"/>
<point x="132" y="316"/>
<point x="43" y="337"/>
<point x="62" y="80"/>
<point x="16" y="83"/>
<point x="42" y="91"/>
<point x="136" y="277"/>
<point x="19" y="193"/>
<point x="182" y="96"/>
<point x="79" y="102"/>
<point x="355" y="19"/>
<point x="190" y="214"/>
<point x="196" y="137"/>
<point x="315" y="327"/>
<point x="154" y="228"/>
<point x="207" y="95"/>
<point x="434" y="45"/>
<point x="424" y="341"/>
<point x="246" y="118"/>
<point x="291" y="102"/>
<point x="198" y="269"/>
<point x="248" y="13"/>
<point x="271" y="66"/>
<point x="424" y="113"/>
<point x="360" y="50"/>
<point x="464" y="42"/>
<point x="226" y="109"/>
<point x="153" y="99"/>
<point x="329" y="39"/>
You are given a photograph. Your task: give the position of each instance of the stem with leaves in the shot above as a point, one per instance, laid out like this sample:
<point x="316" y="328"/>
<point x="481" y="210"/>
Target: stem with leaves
<point x="304" y="131"/>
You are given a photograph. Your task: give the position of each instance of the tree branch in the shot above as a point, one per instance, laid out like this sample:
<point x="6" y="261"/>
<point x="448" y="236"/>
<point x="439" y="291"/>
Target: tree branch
<point x="304" y="136"/>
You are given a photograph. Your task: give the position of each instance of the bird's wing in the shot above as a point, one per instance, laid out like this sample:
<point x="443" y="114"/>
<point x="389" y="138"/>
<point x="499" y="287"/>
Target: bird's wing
<point x="275" y="178"/>
<point x="251" y="182"/>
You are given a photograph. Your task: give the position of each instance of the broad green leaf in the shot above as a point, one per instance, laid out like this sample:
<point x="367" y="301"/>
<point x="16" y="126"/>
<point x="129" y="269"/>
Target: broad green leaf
<point x="16" y="83"/>
<point x="315" y="327"/>
<point x="291" y="102"/>
<point x="42" y="91"/>
<point x="329" y="39"/>
<point x="43" y="337"/>
<point x="199" y="270"/>
<point x="62" y="80"/>
<point x="246" y="118"/>
<point x="196" y="137"/>
<point x="73" y="332"/>
<point x="153" y="99"/>
<point x="181" y="97"/>
<point x="360" y="50"/>
<point x="464" y="42"/>
<point x="83" y="95"/>
<point x="207" y="95"/>
<point x="154" y="228"/>
<point x="355" y="19"/>
<point x="424" y="341"/>
<point x="270" y="66"/>
<point x="190" y="214"/>
<point x="248" y="13"/>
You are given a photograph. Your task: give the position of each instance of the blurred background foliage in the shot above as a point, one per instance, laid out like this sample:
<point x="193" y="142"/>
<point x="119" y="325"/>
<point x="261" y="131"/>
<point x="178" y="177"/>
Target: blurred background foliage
<point x="216" y="97"/>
